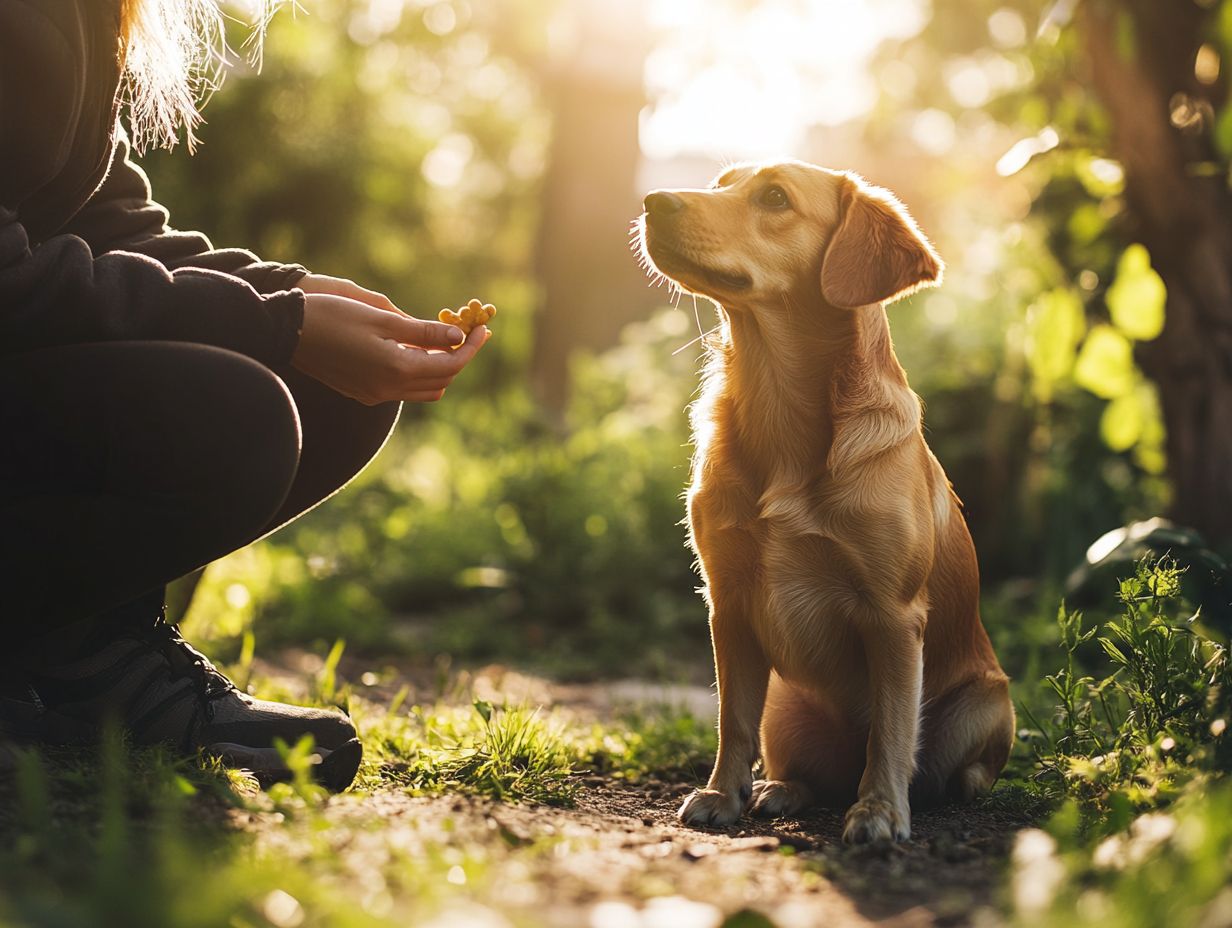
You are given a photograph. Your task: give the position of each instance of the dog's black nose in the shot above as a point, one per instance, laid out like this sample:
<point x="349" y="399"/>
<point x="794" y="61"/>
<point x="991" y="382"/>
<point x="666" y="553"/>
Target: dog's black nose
<point x="662" y="203"/>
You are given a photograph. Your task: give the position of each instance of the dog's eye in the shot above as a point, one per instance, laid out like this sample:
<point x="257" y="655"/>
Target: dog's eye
<point x="773" y="197"/>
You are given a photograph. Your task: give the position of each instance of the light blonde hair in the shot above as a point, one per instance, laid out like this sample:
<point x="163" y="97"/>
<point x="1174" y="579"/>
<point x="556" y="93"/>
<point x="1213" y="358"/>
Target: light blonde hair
<point x="175" y="53"/>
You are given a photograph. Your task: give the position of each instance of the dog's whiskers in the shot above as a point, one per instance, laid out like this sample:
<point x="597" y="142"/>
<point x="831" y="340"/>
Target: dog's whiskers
<point x="696" y="340"/>
<point x="637" y="244"/>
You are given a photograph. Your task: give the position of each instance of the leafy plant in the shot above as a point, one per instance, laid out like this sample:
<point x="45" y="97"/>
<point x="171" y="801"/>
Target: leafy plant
<point x="1131" y="738"/>
<point x="1142" y="754"/>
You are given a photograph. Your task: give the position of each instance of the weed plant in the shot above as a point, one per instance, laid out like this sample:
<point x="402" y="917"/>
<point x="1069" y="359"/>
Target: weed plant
<point x="1131" y="739"/>
<point x="1137" y="751"/>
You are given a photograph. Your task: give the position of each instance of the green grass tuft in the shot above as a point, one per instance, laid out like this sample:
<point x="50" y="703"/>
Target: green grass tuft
<point x="507" y="753"/>
<point x="664" y="741"/>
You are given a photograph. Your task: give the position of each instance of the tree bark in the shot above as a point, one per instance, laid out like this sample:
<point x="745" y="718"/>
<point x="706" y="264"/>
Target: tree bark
<point x="592" y="285"/>
<point x="1183" y="215"/>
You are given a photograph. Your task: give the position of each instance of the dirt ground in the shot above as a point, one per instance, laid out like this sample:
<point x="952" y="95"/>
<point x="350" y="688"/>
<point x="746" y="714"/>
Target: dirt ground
<point x="619" y="858"/>
<point x="616" y="858"/>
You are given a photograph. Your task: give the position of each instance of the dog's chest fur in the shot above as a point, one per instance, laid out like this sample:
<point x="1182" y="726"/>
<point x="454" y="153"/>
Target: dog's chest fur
<point x="797" y="535"/>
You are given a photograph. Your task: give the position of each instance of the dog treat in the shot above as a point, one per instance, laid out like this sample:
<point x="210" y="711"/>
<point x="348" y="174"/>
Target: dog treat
<point x="472" y="314"/>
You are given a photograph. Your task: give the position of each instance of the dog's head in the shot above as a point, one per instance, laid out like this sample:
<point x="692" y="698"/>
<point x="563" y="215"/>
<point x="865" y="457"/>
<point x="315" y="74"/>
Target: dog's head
<point x="760" y="232"/>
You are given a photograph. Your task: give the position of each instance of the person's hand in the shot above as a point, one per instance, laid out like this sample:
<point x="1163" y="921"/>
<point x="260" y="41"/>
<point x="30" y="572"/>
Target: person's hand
<point x="375" y="356"/>
<point x="340" y="286"/>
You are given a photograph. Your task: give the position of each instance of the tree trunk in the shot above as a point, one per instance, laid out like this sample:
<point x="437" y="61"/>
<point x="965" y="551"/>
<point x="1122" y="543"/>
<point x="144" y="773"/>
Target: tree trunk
<point x="1183" y="215"/>
<point x="592" y="286"/>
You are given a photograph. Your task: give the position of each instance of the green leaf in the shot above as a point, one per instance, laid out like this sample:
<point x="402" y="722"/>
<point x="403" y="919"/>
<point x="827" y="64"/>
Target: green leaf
<point x="1150" y="453"/>
<point x="1121" y="424"/>
<point x="1056" y="327"/>
<point x="1105" y="364"/>
<point x="1113" y="651"/>
<point x="1224" y="25"/>
<point x="1086" y="223"/>
<point x="1136" y="298"/>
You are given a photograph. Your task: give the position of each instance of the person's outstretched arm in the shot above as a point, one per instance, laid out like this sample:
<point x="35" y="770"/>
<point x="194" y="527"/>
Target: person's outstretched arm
<point x="123" y="216"/>
<point x="59" y="292"/>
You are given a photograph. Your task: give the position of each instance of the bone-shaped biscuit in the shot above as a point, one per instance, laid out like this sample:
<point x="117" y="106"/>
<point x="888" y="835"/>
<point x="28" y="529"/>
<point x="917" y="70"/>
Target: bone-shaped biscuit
<point x="472" y="314"/>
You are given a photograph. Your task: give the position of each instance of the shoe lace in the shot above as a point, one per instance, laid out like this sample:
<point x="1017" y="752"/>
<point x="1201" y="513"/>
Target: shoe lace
<point x="186" y="661"/>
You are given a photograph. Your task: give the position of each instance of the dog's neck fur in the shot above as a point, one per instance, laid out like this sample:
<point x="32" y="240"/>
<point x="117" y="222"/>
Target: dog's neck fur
<point x="818" y="388"/>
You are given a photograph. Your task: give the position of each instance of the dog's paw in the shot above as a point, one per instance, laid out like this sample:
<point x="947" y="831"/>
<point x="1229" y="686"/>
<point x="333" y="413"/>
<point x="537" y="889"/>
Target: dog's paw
<point x="711" y="807"/>
<point x="874" y="819"/>
<point x="776" y="798"/>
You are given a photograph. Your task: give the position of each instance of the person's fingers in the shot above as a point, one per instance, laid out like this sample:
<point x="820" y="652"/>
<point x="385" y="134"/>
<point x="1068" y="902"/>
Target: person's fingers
<point x="379" y="300"/>
<point x="421" y="332"/>
<point x="469" y="348"/>
<point x="328" y="286"/>
<point x="341" y="286"/>
<point x="442" y="365"/>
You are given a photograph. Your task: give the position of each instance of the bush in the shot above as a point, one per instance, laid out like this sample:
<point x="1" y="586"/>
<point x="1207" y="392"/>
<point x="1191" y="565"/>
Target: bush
<point x="1144" y="835"/>
<point x="1133" y="738"/>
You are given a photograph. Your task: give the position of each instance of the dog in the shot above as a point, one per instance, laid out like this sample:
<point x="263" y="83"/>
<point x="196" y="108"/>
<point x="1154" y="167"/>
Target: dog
<point x="840" y="576"/>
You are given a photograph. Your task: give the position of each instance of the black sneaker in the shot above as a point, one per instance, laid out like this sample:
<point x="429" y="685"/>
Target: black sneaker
<point x="162" y="690"/>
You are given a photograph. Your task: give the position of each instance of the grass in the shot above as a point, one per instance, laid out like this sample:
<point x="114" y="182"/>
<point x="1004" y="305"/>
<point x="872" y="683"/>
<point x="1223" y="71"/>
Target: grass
<point x="1132" y="739"/>
<point x="506" y="753"/>
<point x="136" y="837"/>
<point x="1125" y="764"/>
<point x="664" y="742"/>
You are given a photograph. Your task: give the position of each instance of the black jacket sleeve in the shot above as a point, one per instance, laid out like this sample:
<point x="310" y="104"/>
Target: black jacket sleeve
<point x="121" y="216"/>
<point x="58" y="289"/>
<point x="61" y="293"/>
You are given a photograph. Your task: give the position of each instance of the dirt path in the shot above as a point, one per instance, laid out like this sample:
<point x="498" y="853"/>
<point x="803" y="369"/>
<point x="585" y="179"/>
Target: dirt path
<point x="619" y="858"/>
<point x="616" y="858"/>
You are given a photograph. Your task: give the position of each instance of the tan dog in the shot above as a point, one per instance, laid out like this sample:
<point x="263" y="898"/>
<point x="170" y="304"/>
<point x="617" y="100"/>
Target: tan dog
<point x="840" y="575"/>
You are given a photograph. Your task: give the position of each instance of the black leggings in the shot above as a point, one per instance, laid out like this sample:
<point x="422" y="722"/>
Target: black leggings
<point x="124" y="465"/>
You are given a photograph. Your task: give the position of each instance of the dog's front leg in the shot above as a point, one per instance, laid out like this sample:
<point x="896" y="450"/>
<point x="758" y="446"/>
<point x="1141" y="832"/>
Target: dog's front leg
<point x="743" y="673"/>
<point x="896" y="673"/>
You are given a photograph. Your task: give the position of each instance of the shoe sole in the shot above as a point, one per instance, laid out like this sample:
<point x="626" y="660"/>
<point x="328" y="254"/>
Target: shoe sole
<point x="335" y="770"/>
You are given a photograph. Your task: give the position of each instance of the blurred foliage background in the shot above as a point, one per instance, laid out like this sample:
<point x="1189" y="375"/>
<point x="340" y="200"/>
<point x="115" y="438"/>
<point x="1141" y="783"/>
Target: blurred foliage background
<point x="1070" y="159"/>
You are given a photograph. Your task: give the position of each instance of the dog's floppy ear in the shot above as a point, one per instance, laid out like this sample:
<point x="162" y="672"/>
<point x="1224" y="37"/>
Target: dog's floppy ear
<point x="877" y="252"/>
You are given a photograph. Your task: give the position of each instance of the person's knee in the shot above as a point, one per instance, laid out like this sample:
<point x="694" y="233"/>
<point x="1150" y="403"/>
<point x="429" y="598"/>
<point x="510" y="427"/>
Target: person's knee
<point x="259" y="435"/>
<point x="246" y="441"/>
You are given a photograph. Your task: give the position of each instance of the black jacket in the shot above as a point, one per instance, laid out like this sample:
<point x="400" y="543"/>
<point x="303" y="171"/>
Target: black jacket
<point x="85" y="254"/>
